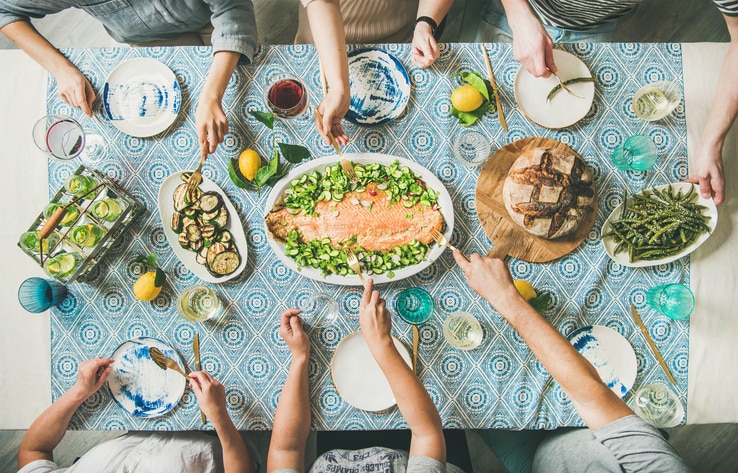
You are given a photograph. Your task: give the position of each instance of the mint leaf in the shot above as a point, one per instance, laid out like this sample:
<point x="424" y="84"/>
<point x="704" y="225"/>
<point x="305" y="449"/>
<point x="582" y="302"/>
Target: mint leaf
<point x="294" y="153"/>
<point x="235" y="175"/>
<point x="468" y="118"/>
<point x="266" y="172"/>
<point x="541" y="302"/>
<point x="267" y="118"/>
<point x="475" y="80"/>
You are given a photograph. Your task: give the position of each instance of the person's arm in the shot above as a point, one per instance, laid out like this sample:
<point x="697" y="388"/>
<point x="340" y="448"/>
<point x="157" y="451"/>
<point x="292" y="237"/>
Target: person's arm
<point x="326" y="23"/>
<point x="48" y="429"/>
<point x="412" y="399"/>
<point x="532" y="46"/>
<point x="708" y="161"/>
<point x="73" y="86"/>
<point x="210" y="395"/>
<point x="210" y="121"/>
<point x="425" y="47"/>
<point x="595" y="402"/>
<point x="292" y="417"/>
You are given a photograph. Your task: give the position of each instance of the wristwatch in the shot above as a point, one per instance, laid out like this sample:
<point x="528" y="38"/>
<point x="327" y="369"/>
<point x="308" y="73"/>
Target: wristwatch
<point x="431" y="22"/>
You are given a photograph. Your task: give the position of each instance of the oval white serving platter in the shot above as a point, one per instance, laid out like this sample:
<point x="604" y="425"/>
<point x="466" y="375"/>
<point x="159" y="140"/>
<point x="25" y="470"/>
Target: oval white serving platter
<point x="138" y="385"/>
<point x="622" y="257"/>
<point x="563" y="109"/>
<point x="166" y="210"/>
<point x="444" y="201"/>
<point x="357" y="376"/>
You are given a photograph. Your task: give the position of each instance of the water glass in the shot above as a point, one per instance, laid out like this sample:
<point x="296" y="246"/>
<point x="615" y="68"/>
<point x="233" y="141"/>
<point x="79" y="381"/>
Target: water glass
<point x="63" y="265"/>
<point x="414" y="305"/>
<point x="462" y="330"/>
<point x="31" y="242"/>
<point x="658" y="405"/>
<point x="87" y="234"/>
<point x="107" y="210"/>
<point x="675" y="301"/>
<point x="657" y="100"/>
<point x="61" y="136"/>
<point x="320" y="310"/>
<point x="286" y="95"/>
<point x="638" y="153"/>
<point x="471" y="148"/>
<point x="38" y="294"/>
<point x="80" y="185"/>
<point x="198" y="304"/>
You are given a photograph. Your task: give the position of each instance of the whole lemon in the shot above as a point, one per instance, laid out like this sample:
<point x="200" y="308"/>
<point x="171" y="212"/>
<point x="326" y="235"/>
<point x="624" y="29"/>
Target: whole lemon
<point x="525" y="289"/>
<point x="249" y="162"/>
<point x="145" y="288"/>
<point x="466" y="98"/>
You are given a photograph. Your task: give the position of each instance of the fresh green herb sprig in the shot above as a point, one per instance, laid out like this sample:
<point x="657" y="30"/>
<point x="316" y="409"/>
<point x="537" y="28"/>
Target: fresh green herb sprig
<point x="485" y="88"/>
<point x="541" y="302"/>
<point x="399" y="182"/>
<point x="330" y="259"/>
<point x="273" y="171"/>
<point x="657" y="224"/>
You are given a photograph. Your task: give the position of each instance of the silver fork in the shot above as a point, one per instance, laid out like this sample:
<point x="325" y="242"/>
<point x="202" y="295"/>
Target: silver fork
<point x="353" y="263"/>
<point x="348" y="169"/>
<point x="196" y="177"/>
<point x="442" y="241"/>
<point x="563" y="86"/>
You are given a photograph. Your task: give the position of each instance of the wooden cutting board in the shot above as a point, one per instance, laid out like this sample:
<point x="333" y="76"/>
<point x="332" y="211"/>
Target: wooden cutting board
<point x="508" y="237"/>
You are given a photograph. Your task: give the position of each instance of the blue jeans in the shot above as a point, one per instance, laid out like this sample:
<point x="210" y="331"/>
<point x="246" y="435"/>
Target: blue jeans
<point x="494" y="28"/>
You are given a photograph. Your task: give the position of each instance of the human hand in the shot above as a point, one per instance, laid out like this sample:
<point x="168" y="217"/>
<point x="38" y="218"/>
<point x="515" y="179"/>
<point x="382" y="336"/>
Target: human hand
<point x="333" y="108"/>
<point x="75" y="89"/>
<point x="425" y="49"/>
<point x="490" y="278"/>
<point x="210" y="395"/>
<point x="708" y="173"/>
<point x="91" y="375"/>
<point x="374" y="318"/>
<point x="211" y="124"/>
<point x="291" y="330"/>
<point x="533" y="47"/>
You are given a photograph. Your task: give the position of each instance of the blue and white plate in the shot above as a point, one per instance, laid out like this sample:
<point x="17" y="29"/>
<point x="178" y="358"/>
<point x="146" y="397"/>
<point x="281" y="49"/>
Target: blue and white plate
<point x="138" y="385"/>
<point x="611" y="355"/>
<point x="380" y="87"/>
<point x="141" y="97"/>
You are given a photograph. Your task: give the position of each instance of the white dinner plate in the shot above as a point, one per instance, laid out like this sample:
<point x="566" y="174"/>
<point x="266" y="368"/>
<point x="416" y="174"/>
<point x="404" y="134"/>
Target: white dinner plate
<point x="445" y="206"/>
<point x="358" y="378"/>
<point x="141" y="97"/>
<point x="138" y="385"/>
<point x="563" y="109"/>
<point x="622" y="257"/>
<point x="380" y="86"/>
<point x="610" y="353"/>
<point x="187" y="257"/>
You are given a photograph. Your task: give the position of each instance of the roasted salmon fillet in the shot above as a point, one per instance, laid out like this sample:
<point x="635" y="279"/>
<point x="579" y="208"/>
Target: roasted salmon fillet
<point x="367" y="219"/>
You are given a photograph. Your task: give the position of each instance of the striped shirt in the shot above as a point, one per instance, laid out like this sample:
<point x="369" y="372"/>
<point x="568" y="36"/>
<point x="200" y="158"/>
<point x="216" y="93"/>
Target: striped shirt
<point x="584" y="14"/>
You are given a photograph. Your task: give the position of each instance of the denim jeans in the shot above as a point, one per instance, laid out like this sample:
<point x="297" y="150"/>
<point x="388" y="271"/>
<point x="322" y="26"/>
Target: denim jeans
<point x="494" y="28"/>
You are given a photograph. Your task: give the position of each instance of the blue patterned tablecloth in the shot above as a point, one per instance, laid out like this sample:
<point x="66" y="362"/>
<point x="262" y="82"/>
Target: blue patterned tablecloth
<point x="496" y="385"/>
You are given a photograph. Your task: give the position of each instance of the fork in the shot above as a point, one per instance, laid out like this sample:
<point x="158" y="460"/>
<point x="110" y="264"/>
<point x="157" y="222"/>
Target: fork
<point x="196" y="177"/>
<point x="563" y="86"/>
<point x="353" y="263"/>
<point x="164" y="362"/>
<point x="442" y="241"/>
<point x="348" y="169"/>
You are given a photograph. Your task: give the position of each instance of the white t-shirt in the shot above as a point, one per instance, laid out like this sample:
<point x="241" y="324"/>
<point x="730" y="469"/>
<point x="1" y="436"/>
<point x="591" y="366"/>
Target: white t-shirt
<point x="144" y="452"/>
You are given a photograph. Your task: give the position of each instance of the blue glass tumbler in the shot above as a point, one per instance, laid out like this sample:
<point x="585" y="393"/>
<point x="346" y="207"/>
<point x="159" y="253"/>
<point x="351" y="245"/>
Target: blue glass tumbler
<point x="638" y="153"/>
<point x="38" y="294"/>
<point x="675" y="301"/>
<point x="414" y="305"/>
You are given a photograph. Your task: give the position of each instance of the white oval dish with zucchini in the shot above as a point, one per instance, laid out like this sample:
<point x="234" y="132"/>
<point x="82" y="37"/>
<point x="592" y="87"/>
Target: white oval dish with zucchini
<point x="667" y="234"/>
<point x="203" y="229"/>
<point x="386" y="218"/>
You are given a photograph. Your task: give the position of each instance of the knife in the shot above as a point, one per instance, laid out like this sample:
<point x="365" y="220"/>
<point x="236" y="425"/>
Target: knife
<point x="651" y="344"/>
<point x="196" y="349"/>
<point x="500" y="112"/>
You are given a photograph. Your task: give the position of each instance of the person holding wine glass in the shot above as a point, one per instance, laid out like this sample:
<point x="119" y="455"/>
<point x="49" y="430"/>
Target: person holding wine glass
<point x="232" y="34"/>
<point x="330" y="24"/>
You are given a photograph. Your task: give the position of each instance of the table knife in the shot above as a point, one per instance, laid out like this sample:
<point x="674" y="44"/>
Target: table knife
<point x="196" y="349"/>
<point x="500" y="112"/>
<point x="651" y="344"/>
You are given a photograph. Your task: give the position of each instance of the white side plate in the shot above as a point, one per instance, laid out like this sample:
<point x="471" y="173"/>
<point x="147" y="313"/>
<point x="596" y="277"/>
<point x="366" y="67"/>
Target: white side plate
<point x="445" y="204"/>
<point x="166" y="210"/>
<point x="138" y="385"/>
<point x="141" y="97"/>
<point x="358" y="378"/>
<point x="622" y="257"/>
<point x="610" y="353"/>
<point x="563" y="109"/>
